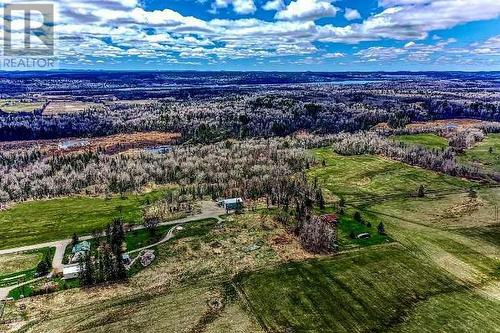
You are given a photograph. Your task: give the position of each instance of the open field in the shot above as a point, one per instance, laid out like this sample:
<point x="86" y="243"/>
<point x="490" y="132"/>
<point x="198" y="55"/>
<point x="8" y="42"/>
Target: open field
<point x="424" y="139"/>
<point x="46" y="220"/>
<point x="21" y="266"/>
<point x="15" y="106"/>
<point x="481" y="156"/>
<point x="19" y="262"/>
<point x="398" y="288"/>
<point x="64" y="107"/>
<point x="370" y="178"/>
<point x="449" y="123"/>
<point x="370" y="291"/>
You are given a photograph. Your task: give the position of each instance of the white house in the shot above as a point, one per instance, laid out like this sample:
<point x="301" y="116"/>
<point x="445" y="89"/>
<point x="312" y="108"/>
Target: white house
<point x="71" y="271"/>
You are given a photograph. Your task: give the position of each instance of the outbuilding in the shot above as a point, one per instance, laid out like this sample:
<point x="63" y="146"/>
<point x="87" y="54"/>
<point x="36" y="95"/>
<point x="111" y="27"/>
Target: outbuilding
<point x="232" y="204"/>
<point x="71" y="271"/>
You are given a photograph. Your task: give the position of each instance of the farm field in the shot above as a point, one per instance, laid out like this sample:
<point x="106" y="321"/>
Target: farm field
<point x="375" y="290"/>
<point x="16" y="106"/>
<point x="371" y="178"/>
<point x="440" y="251"/>
<point x="110" y="144"/>
<point x="481" y="156"/>
<point x="47" y="220"/>
<point x="402" y="286"/>
<point x="70" y="106"/>
<point x="427" y="140"/>
<point x="434" y="263"/>
<point x="19" y="262"/>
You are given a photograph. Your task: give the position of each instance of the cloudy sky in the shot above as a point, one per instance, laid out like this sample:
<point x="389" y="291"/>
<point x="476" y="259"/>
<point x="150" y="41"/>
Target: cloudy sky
<point x="295" y="35"/>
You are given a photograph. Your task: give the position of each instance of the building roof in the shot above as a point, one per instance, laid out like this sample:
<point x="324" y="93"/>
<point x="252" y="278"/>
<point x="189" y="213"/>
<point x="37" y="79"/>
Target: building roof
<point x="81" y="247"/>
<point x="232" y="201"/>
<point x="329" y="218"/>
<point x="71" y="269"/>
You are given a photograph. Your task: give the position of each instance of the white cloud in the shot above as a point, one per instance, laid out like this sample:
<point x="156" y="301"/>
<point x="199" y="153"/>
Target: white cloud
<point x="335" y="55"/>
<point x="83" y="25"/>
<point x="490" y="47"/>
<point x="274" y="5"/>
<point x="239" y="6"/>
<point x="304" y="10"/>
<point x="412" y="19"/>
<point x="352" y="14"/>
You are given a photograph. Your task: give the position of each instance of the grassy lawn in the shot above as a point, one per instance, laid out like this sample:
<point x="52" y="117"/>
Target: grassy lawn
<point x="369" y="291"/>
<point x="137" y="239"/>
<point x="347" y="225"/>
<point x="17" y="262"/>
<point x="21" y="267"/>
<point x="480" y="154"/>
<point x="370" y="178"/>
<point x="42" y="221"/>
<point x="427" y="140"/>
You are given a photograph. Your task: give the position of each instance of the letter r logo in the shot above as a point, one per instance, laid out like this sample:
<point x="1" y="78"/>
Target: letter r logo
<point x="28" y="30"/>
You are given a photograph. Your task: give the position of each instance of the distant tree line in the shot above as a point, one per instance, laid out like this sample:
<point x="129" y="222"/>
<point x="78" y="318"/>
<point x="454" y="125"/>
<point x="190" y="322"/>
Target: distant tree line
<point x="321" y="109"/>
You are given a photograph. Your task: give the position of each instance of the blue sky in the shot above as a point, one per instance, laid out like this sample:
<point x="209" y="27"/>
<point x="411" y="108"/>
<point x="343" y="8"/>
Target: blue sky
<point x="287" y="35"/>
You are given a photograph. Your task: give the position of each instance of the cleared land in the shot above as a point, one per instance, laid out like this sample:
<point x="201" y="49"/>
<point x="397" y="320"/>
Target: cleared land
<point x="190" y="272"/>
<point x="110" y="144"/>
<point x="481" y="156"/>
<point x="19" y="262"/>
<point x="425" y="139"/>
<point x="366" y="178"/>
<point x="47" y="220"/>
<point x="436" y="279"/>
<point x="21" y="266"/>
<point x="64" y="107"/>
<point x="372" y="291"/>
<point x="16" y="106"/>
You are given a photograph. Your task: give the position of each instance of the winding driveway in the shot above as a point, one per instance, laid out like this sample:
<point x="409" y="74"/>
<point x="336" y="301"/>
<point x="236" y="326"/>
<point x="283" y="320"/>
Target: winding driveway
<point x="208" y="210"/>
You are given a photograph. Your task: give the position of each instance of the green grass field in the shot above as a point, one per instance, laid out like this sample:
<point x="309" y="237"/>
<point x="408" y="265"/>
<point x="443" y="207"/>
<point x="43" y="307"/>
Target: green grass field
<point x="15" y="106"/>
<point x="480" y="154"/>
<point x="371" y="178"/>
<point x="42" y="221"/>
<point x="21" y="266"/>
<point x="347" y="225"/>
<point x="427" y="140"/>
<point x="374" y="290"/>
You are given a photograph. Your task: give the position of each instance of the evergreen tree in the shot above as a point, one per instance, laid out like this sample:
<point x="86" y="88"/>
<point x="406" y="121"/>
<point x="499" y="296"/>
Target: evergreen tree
<point x="320" y="199"/>
<point x="74" y="240"/>
<point x="381" y="228"/>
<point x="421" y="191"/>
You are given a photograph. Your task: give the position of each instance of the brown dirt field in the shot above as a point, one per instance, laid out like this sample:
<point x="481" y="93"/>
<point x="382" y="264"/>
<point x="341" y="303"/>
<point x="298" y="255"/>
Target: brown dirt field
<point x="64" y="107"/>
<point x="111" y="144"/>
<point x="459" y="123"/>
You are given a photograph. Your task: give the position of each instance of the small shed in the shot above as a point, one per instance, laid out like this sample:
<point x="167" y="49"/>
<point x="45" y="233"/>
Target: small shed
<point x="364" y="235"/>
<point x="126" y="259"/>
<point x="71" y="271"/>
<point x="232" y="204"/>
